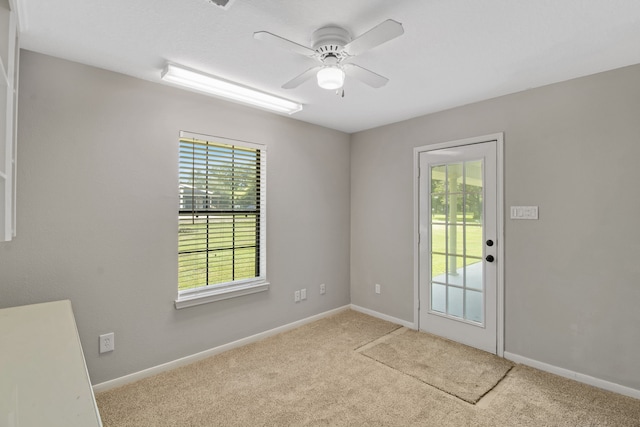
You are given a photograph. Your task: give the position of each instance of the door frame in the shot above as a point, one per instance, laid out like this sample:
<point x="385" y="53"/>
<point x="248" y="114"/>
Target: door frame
<point x="499" y="138"/>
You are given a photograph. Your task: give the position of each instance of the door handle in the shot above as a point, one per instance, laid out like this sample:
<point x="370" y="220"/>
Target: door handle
<point x="490" y="258"/>
<point x="489" y="242"/>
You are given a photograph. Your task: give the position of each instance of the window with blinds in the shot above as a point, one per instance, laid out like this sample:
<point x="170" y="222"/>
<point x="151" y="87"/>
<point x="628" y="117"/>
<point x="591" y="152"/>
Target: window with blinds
<point x="221" y="217"/>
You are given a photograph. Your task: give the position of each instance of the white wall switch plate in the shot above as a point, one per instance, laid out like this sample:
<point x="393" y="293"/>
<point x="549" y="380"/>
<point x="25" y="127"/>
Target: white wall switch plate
<point x="524" y="212"/>
<point x="377" y="288"/>
<point x="303" y="294"/>
<point x="296" y="296"/>
<point x="323" y="289"/>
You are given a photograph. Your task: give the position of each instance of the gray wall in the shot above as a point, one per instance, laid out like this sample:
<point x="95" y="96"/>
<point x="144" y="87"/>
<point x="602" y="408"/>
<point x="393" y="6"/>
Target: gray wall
<point x="572" y="277"/>
<point x="97" y="221"/>
<point x="97" y="213"/>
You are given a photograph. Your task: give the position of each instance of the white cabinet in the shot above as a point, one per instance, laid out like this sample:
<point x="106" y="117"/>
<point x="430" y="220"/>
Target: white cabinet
<point x="9" y="59"/>
<point x="43" y="376"/>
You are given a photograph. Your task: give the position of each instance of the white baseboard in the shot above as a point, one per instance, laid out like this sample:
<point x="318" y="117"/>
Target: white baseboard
<point x="391" y="319"/>
<point x="117" y="382"/>
<point x="586" y="379"/>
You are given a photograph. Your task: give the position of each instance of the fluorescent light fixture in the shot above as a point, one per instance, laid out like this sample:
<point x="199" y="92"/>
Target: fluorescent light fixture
<point x="330" y="77"/>
<point x="216" y="86"/>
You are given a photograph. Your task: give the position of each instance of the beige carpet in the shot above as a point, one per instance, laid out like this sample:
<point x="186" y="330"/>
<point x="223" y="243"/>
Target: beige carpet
<point x="457" y="369"/>
<point x="312" y="376"/>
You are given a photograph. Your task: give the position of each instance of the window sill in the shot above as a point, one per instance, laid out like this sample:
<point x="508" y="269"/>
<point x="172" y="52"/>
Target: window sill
<point x="206" y="296"/>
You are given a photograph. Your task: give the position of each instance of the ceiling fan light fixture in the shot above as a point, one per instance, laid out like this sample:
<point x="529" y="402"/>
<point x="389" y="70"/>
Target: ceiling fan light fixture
<point x="212" y="85"/>
<point x="330" y="77"/>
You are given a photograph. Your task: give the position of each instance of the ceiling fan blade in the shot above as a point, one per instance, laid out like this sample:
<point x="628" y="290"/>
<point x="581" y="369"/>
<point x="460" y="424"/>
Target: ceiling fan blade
<point x="376" y="36"/>
<point x="364" y="75"/>
<point x="297" y="81"/>
<point x="283" y="43"/>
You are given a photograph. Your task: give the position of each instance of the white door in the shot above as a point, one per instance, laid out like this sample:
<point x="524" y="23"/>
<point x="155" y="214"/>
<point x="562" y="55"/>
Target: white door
<point x="458" y="243"/>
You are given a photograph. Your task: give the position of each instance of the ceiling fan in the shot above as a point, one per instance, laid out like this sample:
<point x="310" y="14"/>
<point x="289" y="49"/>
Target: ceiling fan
<point x="333" y="47"/>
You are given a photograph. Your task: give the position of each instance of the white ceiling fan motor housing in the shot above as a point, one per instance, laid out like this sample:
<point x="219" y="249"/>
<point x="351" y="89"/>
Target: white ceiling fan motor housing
<point x="330" y="41"/>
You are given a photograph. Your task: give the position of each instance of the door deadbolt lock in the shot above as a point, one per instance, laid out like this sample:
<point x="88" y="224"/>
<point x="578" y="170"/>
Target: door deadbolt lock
<point x="489" y="242"/>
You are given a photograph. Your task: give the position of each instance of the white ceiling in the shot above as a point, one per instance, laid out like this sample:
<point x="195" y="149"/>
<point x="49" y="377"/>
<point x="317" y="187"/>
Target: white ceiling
<point x="453" y="52"/>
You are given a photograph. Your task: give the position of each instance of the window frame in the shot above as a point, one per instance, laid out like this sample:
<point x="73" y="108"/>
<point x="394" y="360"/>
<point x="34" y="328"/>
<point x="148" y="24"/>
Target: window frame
<point x="221" y="291"/>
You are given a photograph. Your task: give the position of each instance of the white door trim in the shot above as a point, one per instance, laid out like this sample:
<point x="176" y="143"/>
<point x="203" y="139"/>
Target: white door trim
<point x="499" y="138"/>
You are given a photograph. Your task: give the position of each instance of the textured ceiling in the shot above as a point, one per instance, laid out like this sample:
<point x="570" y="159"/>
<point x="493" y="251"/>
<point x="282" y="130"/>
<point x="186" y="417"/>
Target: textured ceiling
<point x="453" y="52"/>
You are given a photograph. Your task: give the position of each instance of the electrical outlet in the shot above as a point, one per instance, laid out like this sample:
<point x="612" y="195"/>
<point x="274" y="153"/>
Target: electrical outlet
<point x="296" y="296"/>
<point x="107" y="343"/>
<point x="323" y="289"/>
<point x="303" y="294"/>
<point x="377" y="288"/>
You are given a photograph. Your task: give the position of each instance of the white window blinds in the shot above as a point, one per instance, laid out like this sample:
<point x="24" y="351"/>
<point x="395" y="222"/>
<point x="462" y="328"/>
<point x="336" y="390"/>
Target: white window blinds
<point x="221" y="213"/>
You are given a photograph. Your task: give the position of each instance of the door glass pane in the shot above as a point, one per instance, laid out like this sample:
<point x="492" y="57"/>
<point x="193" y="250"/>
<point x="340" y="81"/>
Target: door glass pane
<point x="473" y="306"/>
<point x="455" y="306"/>
<point x="438" y="298"/>
<point x="455" y="266"/>
<point x="438" y="268"/>
<point x="473" y="239"/>
<point x="438" y="208"/>
<point x="473" y="191"/>
<point x="455" y="239"/>
<point x="438" y="179"/>
<point x="473" y="207"/>
<point x="455" y="178"/>
<point x="438" y="238"/>
<point x="455" y="208"/>
<point x="455" y="270"/>
<point x="473" y="274"/>
<point x="473" y="171"/>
